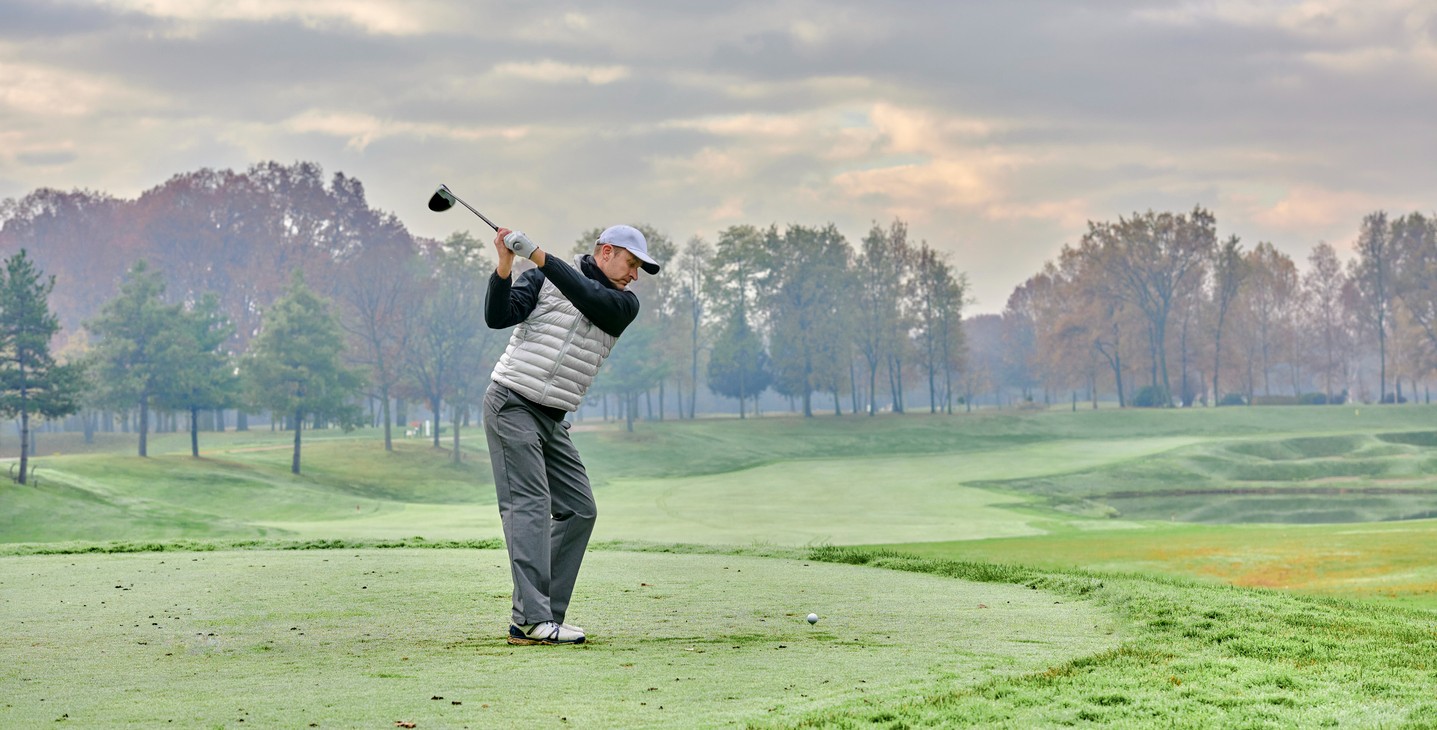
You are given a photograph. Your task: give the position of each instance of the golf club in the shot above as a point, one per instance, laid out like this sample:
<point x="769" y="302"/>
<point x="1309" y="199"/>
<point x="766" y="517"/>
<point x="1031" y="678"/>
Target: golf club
<point x="443" y="199"/>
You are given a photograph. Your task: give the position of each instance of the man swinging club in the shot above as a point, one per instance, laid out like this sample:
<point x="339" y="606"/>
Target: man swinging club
<point x="568" y="318"/>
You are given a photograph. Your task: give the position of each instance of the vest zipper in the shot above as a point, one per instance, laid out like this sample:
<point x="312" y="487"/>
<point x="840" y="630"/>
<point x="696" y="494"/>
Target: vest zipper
<point x="559" y="359"/>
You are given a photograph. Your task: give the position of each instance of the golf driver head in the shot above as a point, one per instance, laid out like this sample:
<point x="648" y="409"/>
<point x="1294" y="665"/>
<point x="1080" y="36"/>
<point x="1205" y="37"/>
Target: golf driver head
<point x="441" y="200"/>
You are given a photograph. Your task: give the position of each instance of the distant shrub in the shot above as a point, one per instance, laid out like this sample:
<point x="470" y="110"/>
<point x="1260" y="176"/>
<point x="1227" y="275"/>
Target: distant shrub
<point x="1233" y="399"/>
<point x="1274" y="400"/>
<point x="1028" y="405"/>
<point x="1393" y="398"/>
<point x="1320" y="399"/>
<point x="1152" y="396"/>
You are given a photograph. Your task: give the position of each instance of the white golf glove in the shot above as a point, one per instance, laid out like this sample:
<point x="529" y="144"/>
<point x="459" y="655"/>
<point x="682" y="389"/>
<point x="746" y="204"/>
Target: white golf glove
<point x="520" y="244"/>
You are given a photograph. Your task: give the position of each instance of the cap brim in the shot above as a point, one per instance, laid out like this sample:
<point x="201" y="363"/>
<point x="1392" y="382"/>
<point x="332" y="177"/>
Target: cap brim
<point x="649" y="265"/>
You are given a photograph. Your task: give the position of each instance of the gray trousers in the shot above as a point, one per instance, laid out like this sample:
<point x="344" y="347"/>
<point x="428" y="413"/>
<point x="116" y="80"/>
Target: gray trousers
<point x="545" y="503"/>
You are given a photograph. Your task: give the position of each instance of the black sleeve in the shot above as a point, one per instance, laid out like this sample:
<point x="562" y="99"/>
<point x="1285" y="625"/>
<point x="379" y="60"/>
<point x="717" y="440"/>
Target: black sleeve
<point x="611" y="310"/>
<point x="506" y="304"/>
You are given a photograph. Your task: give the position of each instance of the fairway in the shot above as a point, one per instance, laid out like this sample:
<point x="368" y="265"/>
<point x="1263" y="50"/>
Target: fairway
<point x="364" y="638"/>
<point x="859" y="500"/>
<point x="852" y="501"/>
<point x="803" y="502"/>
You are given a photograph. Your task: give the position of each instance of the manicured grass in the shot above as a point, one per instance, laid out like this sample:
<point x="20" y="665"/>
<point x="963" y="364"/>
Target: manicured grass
<point x="356" y="635"/>
<point x="352" y="489"/>
<point x="851" y="500"/>
<point x="364" y="638"/>
<point x="677" y="448"/>
<point x="896" y="480"/>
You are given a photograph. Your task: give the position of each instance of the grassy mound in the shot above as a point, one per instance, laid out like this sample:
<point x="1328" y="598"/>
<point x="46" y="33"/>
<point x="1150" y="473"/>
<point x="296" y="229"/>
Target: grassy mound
<point x="1427" y="439"/>
<point x="245" y="489"/>
<point x="1363" y="477"/>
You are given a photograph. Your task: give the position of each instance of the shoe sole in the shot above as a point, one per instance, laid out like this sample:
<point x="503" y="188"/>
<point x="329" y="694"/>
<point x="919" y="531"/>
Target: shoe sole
<point x="517" y="641"/>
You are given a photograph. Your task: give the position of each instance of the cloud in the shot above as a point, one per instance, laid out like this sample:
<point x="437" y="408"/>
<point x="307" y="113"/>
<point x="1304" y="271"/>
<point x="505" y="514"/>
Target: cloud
<point x="38" y="92"/>
<point x="47" y="19"/>
<point x="46" y="158"/>
<point x="1308" y="208"/>
<point x="379" y="17"/>
<point x="1070" y="214"/>
<point x="360" y="130"/>
<point x="554" y="72"/>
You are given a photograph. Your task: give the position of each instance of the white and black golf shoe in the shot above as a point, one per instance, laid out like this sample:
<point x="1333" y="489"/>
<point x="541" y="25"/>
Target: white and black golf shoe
<point x="547" y="632"/>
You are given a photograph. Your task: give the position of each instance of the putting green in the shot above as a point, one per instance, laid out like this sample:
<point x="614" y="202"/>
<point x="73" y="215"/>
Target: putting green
<point x="348" y="638"/>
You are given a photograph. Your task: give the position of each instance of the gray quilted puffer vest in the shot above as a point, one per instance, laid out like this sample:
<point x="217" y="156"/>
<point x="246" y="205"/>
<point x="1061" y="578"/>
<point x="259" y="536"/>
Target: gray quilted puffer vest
<point x="554" y="355"/>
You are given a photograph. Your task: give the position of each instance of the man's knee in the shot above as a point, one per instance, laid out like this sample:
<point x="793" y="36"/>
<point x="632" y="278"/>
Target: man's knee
<point x="579" y="511"/>
<point x="582" y="513"/>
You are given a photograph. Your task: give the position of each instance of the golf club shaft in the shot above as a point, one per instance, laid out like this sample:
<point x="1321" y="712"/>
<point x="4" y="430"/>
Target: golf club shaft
<point x="475" y="212"/>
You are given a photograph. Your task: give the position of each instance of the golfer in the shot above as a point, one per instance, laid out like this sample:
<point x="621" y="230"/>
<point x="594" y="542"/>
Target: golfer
<point x="568" y="318"/>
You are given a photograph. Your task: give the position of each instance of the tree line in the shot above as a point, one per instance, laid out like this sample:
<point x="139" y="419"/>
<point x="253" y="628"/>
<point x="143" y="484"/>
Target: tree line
<point x="222" y="291"/>
<point x="172" y="304"/>
<point x="1158" y="310"/>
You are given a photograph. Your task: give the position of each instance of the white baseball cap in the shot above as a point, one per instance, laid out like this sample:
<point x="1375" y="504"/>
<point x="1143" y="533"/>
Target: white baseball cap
<point x="630" y="238"/>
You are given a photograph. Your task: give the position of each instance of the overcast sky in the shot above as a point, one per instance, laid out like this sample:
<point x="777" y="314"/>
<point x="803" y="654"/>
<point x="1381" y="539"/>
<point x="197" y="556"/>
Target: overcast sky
<point x="995" y="129"/>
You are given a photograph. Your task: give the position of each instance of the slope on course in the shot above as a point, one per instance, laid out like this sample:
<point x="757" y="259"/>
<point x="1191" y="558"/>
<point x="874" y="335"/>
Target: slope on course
<point x="363" y="637"/>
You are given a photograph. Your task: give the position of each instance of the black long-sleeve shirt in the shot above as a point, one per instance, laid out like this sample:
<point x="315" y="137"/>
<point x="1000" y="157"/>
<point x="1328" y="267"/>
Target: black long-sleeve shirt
<point x="610" y="308"/>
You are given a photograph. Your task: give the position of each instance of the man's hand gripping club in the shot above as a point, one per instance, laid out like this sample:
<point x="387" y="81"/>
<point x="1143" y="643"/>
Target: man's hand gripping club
<point x="508" y="244"/>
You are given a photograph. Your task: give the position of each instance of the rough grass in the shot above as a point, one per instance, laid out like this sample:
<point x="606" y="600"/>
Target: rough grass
<point x="1388" y="562"/>
<point x="1193" y="655"/>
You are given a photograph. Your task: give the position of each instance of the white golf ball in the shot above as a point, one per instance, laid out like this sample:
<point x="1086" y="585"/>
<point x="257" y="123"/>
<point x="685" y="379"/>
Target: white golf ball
<point x="813" y="618"/>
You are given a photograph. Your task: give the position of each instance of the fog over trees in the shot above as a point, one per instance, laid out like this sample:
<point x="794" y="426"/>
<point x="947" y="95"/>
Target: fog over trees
<point x="170" y="303"/>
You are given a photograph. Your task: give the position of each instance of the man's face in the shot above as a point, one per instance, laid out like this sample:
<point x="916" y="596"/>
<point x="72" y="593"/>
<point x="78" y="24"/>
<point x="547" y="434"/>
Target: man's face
<point x="618" y="264"/>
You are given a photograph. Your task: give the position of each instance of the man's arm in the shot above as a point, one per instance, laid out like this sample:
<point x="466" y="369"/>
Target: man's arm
<point x="507" y="304"/>
<point x="611" y="310"/>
